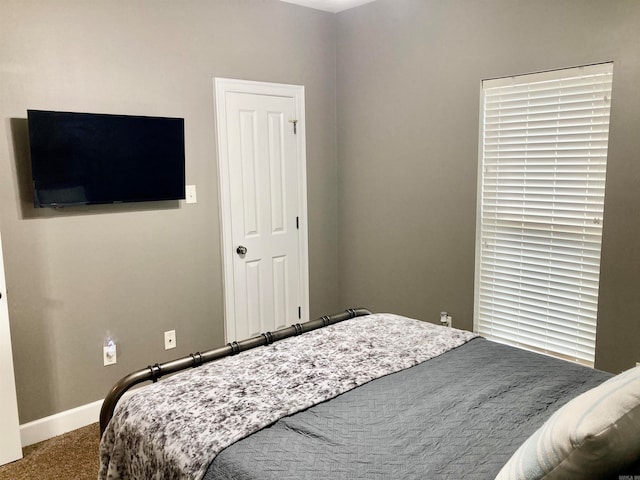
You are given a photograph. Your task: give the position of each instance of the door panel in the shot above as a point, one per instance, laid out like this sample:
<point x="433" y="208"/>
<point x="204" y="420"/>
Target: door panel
<point x="280" y="291"/>
<point x="248" y="144"/>
<point x="252" y="325"/>
<point x="264" y="193"/>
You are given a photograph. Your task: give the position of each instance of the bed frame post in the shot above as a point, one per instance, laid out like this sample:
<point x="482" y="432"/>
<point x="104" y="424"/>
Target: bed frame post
<point x="155" y="372"/>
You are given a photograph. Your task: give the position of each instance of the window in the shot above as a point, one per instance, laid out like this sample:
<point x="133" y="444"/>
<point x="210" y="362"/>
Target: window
<point x="543" y="158"/>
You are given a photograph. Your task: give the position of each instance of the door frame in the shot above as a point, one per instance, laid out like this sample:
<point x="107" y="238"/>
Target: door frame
<point x="222" y="86"/>
<point x="10" y="441"/>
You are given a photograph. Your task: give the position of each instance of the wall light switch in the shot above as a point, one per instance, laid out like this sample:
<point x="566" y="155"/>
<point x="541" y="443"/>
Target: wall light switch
<point x="169" y="339"/>
<point x="190" y="193"/>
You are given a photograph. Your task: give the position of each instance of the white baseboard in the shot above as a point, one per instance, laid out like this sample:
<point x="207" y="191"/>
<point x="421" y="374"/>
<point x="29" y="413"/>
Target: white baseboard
<point x="63" y="422"/>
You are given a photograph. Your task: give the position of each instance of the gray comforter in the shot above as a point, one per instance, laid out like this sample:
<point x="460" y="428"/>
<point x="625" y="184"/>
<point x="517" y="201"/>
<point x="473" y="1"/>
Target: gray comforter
<point x="458" y="416"/>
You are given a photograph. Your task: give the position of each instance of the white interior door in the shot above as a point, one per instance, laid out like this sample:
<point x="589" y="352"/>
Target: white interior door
<point x="261" y="160"/>
<point x="10" y="445"/>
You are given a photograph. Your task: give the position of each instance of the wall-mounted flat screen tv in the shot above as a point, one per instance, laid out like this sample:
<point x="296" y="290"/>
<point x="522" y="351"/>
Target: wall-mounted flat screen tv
<point x="87" y="158"/>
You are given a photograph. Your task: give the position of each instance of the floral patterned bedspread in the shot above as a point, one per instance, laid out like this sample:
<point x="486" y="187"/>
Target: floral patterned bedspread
<point x="173" y="429"/>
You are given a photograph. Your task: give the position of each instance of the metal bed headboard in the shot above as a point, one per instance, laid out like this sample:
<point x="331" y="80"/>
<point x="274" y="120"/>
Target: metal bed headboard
<point x="154" y="372"/>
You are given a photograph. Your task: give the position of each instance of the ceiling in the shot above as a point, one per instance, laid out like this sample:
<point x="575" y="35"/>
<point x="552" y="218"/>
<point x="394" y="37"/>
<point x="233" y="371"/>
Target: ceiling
<point x="334" y="6"/>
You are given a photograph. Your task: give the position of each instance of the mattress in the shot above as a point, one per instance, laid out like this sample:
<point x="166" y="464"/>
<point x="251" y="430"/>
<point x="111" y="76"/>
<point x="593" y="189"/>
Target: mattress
<point x="459" y="415"/>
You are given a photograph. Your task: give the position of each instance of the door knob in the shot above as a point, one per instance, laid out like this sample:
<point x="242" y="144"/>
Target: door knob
<point x="241" y="250"/>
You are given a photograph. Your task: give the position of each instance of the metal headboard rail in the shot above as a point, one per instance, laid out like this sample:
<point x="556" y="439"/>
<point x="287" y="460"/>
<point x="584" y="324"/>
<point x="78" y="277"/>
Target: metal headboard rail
<point x="154" y="372"/>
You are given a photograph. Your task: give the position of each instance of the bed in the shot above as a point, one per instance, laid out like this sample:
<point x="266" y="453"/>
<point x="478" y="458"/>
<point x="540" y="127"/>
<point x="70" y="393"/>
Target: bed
<point x="372" y="396"/>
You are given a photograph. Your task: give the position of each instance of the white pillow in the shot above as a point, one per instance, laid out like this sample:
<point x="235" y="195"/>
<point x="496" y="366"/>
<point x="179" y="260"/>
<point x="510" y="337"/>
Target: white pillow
<point x="594" y="435"/>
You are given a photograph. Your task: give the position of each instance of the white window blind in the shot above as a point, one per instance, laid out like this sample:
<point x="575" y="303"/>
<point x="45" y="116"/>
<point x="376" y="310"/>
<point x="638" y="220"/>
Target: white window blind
<point x="542" y="180"/>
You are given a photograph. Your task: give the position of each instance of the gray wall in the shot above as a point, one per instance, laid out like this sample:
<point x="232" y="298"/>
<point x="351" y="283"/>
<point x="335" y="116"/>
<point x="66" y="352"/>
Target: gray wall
<point x="409" y="76"/>
<point x="133" y="271"/>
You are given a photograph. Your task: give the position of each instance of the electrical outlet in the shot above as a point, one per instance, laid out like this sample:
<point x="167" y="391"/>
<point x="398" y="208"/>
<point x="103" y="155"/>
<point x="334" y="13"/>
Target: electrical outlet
<point x="169" y="339"/>
<point x="109" y="353"/>
<point x="445" y="319"/>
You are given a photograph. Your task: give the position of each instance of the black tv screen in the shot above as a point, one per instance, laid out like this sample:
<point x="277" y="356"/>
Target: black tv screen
<point x="86" y="158"/>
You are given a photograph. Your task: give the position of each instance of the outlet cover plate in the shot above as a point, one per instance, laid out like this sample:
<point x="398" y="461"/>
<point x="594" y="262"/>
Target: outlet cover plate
<point x="169" y="339"/>
<point x="190" y="194"/>
<point x="109" y="355"/>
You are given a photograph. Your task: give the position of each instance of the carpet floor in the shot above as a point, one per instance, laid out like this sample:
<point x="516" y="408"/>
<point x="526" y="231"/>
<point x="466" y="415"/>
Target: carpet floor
<point x="72" y="456"/>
